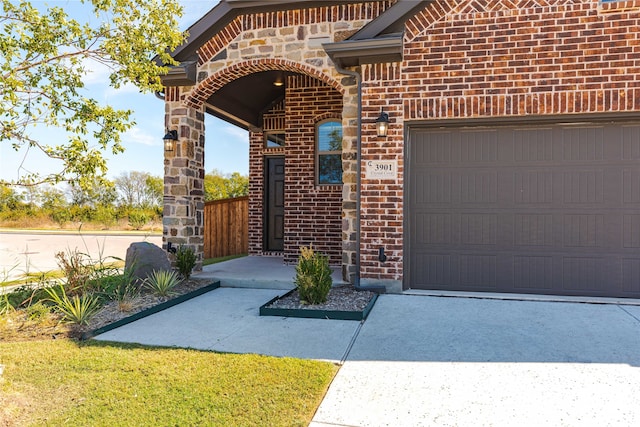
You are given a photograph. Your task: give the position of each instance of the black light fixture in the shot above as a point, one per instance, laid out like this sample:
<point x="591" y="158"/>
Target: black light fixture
<point x="170" y="140"/>
<point x="382" y="124"/>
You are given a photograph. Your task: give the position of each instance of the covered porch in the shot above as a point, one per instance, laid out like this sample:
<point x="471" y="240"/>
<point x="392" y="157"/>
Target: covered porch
<point x="259" y="272"/>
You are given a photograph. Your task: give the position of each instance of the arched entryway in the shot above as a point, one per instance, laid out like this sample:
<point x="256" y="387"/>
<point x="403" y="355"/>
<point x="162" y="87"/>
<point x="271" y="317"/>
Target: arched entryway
<point x="283" y="105"/>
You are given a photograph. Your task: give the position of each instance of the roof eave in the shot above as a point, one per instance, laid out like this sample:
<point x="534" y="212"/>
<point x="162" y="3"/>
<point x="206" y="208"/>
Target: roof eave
<point x="352" y="53"/>
<point x="180" y="75"/>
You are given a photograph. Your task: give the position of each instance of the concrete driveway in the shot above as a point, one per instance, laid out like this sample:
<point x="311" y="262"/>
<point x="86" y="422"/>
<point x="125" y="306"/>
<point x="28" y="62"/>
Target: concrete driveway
<point x="435" y="361"/>
<point x="425" y="361"/>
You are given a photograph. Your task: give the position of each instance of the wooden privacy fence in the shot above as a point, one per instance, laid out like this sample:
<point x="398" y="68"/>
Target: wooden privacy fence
<point x="226" y="227"/>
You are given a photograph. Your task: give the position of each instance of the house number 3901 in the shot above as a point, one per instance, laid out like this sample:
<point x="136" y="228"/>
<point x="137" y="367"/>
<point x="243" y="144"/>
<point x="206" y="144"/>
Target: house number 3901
<point x="382" y="169"/>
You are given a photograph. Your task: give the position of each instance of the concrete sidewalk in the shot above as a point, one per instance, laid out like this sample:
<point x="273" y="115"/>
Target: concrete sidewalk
<point x="421" y="360"/>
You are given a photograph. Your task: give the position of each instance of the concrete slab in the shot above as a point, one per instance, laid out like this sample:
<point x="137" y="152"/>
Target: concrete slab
<point x="481" y="394"/>
<point x="632" y="311"/>
<point x="457" y="361"/>
<point x="228" y="320"/>
<point x="421" y="360"/>
<point x="256" y="272"/>
<point x="414" y="328"/>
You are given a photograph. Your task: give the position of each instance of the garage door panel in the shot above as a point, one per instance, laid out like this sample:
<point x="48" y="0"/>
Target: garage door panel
<point x="586" y="273"/>
<point x="631" y="186"/>
<point x="531" y="229"/>
<point x="552" y="209"/>
<point x="478" y="271"/>
<point x="533" y="187"/>
<point x="533" y="145"/>
<point x="533" y="273"/>
<point x="631" y="275"/>
<point x="631" y="231"/>
<point x="584" y="144"/>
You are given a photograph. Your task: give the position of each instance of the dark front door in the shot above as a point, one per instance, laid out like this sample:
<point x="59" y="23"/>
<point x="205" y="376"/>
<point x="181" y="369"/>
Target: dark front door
<point x="274" y="202"/>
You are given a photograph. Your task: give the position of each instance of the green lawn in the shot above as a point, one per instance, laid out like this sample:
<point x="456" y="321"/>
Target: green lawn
<point x="61" y="382"/>
<point x="210" y="261"/>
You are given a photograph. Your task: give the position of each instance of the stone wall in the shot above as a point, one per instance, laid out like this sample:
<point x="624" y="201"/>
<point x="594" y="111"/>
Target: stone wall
<point x="183" y="220"/>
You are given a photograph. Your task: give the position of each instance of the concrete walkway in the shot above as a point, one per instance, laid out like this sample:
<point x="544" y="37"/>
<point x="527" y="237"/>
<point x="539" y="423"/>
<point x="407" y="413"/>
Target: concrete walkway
<point x="435" y="361"/>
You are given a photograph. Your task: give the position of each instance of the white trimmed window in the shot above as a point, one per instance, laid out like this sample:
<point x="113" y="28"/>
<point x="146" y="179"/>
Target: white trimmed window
<point x="329" y="152"/>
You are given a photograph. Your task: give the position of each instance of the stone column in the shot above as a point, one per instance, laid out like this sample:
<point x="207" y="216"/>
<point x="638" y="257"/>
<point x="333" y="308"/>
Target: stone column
<point x="183" y="221"/>
<point x="349" y="171"/>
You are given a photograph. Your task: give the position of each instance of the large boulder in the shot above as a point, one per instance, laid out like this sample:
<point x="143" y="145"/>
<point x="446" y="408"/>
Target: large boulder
<point x="144" y="258"/>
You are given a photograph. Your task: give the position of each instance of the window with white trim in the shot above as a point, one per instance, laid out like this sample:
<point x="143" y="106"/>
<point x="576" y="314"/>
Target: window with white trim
<point x="329" y="152"/>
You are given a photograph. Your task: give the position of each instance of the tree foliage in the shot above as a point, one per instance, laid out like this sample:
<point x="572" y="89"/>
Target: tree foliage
<point x="218" y="185"/>
<point x="139" y="189"/>
<point x="45" y="58"/>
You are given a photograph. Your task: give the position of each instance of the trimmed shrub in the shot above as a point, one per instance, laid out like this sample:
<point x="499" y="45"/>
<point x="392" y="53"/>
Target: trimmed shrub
<point x="185" y="261"/>
<point x="313" y="276"/>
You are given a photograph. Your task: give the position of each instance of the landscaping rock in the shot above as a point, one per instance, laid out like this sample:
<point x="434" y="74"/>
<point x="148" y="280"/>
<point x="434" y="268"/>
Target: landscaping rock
<point x="144" y="257"/>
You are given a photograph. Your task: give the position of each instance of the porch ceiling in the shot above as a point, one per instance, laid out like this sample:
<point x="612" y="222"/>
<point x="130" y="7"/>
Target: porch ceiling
<point x="243" y="101"/>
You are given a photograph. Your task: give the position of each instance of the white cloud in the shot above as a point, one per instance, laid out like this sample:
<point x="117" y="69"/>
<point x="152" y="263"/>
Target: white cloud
<point x="126" y="89"/>
<point x="137" y="135"/>
<point x="97" y="73"/>
<point x="237" y="133"/>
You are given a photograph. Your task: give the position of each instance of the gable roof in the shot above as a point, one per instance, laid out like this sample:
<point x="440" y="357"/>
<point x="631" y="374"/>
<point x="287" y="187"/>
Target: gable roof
<point x="378" y="41"/>
<point x="389" y="26"/>
<point x="226" y="11"/>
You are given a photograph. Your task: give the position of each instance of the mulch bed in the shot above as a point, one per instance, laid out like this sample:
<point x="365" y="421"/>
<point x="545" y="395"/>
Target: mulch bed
<point x="341" y="298"/>
<point x="18" y="327"/>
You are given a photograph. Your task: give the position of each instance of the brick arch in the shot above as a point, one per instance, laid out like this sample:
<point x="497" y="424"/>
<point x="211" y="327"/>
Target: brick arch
<point x="437" y="10"/>
<point x="216" y="81"/>
<point x="326" y="116"/>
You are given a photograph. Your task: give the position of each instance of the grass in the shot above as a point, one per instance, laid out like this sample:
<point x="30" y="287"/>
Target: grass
<point x="210" y="261"/>
<point x="60" y="382"/>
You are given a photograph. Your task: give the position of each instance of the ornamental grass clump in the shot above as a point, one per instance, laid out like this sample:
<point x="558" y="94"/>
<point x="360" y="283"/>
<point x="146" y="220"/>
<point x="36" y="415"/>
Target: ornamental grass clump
<point x="313" y="277"/>
<point x="162" y="282"/>
<point x="78" y="309"/>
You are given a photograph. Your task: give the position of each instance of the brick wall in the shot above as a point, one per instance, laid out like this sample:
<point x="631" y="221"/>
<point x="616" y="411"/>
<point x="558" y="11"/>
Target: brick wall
<point x="256" y="192"/>
<point x="502" y="58"/>
<point x="313" y="213"/>
<point x="382" y="200"/>
<point x="560" y="57"/>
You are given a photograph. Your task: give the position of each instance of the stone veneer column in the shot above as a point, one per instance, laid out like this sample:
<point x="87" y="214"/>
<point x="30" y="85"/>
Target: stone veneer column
<point x="349" y="171"/>
<point x="183" y="221"/>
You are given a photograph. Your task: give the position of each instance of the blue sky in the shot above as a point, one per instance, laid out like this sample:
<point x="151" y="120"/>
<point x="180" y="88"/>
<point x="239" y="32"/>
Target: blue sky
<point x="227" y="147"/>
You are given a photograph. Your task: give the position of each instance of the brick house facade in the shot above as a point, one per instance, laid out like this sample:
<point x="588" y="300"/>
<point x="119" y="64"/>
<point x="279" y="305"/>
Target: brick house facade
<point x="513" y="137"/>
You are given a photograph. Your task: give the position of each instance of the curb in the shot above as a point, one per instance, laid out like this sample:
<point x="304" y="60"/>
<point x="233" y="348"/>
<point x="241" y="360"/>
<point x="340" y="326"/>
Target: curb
<point x="316" y="314"/>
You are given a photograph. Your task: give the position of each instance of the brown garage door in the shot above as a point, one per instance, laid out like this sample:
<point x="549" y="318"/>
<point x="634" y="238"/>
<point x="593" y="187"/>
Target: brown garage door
<point x="549" y="209"/>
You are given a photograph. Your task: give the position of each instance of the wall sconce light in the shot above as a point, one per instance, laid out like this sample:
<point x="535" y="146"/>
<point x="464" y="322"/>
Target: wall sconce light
<point x="382" y="124"/>
<point x="279" y="81"/>
<point x="170" y="140"/>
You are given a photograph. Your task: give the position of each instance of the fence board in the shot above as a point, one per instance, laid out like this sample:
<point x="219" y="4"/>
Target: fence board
<point x="226" y="227"/>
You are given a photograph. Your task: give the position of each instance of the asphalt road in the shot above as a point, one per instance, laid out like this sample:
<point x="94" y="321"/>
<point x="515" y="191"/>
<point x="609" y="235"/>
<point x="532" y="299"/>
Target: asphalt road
<point x="34" y="251"/>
